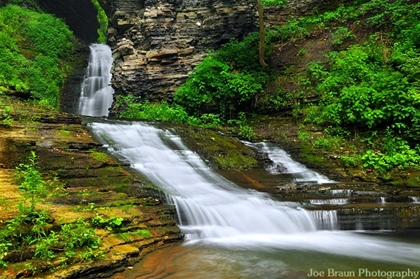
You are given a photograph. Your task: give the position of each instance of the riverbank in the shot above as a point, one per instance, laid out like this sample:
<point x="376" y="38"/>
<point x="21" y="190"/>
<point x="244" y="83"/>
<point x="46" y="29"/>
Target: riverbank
<point x="83" y="182"/>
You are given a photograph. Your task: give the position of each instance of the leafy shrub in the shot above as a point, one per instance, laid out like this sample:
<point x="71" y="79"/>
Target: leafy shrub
<point x="33" y="49"/>
<point x="350" y="161"/>
<point x="372" y="86"/>
<point x="102" y="20"/>
<point x="110" y="223"/>
<point x="225" y="81"/>
<point x="30" y="180"/>
<point x="31" y="230"/>
<point x="6" y="115"/>
<point x="361" y="89"/>
<point x="244" y="130"/>
<point x="132" y="108"/>
<point x="404" y="157"/>
<point x="340" y="35"/>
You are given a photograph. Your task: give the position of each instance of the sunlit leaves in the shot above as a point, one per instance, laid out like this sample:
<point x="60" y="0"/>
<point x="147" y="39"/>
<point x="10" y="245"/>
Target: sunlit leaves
<point x="33" y="47"/>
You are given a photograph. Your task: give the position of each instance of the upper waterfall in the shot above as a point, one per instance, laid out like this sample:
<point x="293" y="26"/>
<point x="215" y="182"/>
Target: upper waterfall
<point x="96" y="93"/>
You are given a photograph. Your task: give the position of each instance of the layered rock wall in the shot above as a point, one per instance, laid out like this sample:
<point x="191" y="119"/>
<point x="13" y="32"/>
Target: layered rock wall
<point x="157" y="43"/>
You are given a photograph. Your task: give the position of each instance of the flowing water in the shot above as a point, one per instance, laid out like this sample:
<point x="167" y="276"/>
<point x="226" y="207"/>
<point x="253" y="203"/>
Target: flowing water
<point x="216" y="213"/>
<point x="282" y="162"/>
<point x="233" y="232"/>
<point x="96" y="93"/>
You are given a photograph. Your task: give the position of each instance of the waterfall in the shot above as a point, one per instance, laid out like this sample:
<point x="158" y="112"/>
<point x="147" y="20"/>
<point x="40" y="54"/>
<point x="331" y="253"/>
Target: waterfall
<point x="212" y="210"/>
<point x="96" y="93"/>
<point x="415" y="199"/>
<point x="208" y="205"/>
<point x="329" y="201"/>
<point x="326" y="219"/>
<point x="282" y="162"/>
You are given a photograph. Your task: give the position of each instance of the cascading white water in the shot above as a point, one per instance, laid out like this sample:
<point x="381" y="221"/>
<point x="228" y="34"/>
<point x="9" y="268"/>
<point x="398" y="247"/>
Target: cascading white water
<point x="344" y="192"/>
<point x="208" y="206"/>
<point x="415" y="199"/>
<point x="212" y="210"/>
<point x="96" y="94"/>
<point x="328" y="201"/>
<point x="283" y="163"/>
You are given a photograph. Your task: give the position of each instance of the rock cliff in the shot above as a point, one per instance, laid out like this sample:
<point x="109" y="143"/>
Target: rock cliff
<point x="157" y="43"/>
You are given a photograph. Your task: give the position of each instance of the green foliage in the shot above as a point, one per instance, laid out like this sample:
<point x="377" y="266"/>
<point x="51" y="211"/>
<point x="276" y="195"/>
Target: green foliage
<point x="341" y="34"/>
<point x="350" y="161"/>
<point x="5" y="115"/>
<point x="30" y="181"/>
<point x="395" y="153"/>
<point x="75" y="241"/>
<point x="322" y="143"/>
<point x="225" y="81"/>
<point x="33" y="49"/>
<point x="304" y="136"/>
<point x="103" y="22"/>
<point x="244" y="130"/>
<point x="78" y="234"/>
<point x="272" y="2"/>
<point x="404" y="157"/>
<point x="146" y="110"/>
<point x="302" y="52"/>
<point x="361" y="89"/>
<point x="110" y="223"/>
<point x="375" y="86"/>
<point x="31" y="230"/>
<point x="132" y="108"/>
<point x="297" y="28"/>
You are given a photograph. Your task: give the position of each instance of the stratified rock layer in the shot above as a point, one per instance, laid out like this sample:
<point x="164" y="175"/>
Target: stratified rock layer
<point x="156" y="44"/>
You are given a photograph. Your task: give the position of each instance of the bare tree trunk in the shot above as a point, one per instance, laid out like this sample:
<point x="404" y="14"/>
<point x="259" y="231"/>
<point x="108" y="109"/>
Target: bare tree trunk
<point x="261" y="54"/>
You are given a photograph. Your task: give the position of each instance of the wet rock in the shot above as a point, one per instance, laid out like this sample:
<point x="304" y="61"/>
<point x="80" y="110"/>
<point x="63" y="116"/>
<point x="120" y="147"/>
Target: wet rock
<point x="83" y="145"/>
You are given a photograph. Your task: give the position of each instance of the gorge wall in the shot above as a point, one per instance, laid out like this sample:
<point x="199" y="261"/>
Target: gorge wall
<point x="157" y="43"/>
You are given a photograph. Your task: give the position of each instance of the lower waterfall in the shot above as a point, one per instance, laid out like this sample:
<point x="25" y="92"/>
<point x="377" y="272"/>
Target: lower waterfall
<point x="214" y="211"/>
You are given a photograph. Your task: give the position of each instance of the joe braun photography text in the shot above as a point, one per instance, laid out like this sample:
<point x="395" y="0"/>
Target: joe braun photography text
<point x="364" y="273"/>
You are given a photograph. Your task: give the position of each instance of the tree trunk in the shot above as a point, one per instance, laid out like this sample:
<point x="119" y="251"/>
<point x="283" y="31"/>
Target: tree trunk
<point x="261" y="54"/>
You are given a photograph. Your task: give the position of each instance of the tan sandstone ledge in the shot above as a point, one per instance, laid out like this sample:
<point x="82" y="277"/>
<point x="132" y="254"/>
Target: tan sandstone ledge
<point x="88" y="182"/>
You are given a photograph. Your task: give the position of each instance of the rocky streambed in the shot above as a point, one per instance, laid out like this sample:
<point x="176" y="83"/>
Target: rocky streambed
<point x="83" y="182"/>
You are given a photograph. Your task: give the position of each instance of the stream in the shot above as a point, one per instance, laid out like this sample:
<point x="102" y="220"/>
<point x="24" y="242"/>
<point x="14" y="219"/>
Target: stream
<point x="234" y="232"/>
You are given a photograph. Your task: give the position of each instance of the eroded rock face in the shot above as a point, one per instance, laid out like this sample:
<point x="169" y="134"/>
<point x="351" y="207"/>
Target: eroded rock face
<point x="157" y="43"/>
